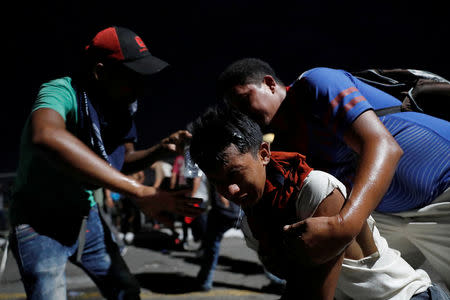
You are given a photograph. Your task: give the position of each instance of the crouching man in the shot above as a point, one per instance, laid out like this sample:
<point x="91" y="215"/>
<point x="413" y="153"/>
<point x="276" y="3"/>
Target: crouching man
<point x="279" y="188"/>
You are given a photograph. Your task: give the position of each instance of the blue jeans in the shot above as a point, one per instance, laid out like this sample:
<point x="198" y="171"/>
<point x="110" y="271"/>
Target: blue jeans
<point x="42" y="262"/>
<point x="217" y="224"/>
<point x="434" y="292"/>
<point x="274" y="279"/>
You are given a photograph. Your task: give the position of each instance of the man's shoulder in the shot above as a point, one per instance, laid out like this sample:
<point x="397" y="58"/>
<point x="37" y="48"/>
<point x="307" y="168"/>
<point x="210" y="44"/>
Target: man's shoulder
<point x="321" y="78"/>
<point x="61" y="86"/>
<point x="59" y="82"/>
<point x="320" y="73"/>
<point x="58" y="94"/>
<point x="317" y="186"/>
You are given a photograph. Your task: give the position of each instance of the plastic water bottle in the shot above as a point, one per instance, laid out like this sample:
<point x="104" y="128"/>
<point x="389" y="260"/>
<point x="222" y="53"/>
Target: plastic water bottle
<point x="191" y="169"/>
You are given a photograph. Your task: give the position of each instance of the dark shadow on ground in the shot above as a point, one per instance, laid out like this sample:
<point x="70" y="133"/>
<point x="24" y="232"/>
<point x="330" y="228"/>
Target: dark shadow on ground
<point x="240" y="266"/>
<point x="167" y="283"/>
<point x="156" y="240"/>
<point x="229" y="264"/>
<point x="177" y="283"/>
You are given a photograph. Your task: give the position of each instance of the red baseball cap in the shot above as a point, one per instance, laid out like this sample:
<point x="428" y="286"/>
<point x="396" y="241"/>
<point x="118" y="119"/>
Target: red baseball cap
<point x="119" y="44"/>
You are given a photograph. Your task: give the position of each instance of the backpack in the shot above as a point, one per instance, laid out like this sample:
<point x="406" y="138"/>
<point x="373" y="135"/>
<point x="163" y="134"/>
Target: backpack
<point x="418" y="90"/>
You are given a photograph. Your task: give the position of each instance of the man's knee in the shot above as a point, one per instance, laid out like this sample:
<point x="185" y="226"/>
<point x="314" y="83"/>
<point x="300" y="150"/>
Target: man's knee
<point x="41" y="262"/>
<point x="43" y="279"/>
<point x="48" y="284"/>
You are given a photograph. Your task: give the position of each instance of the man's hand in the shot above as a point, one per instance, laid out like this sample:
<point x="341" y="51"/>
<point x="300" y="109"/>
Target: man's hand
<point x="176" y="141"/>
<point x="153" y="202"/>
<point x="322" y="238"/>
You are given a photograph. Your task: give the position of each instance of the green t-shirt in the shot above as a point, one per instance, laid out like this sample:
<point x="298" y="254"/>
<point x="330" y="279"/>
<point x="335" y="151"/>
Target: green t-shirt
<point x="40" y="188"/>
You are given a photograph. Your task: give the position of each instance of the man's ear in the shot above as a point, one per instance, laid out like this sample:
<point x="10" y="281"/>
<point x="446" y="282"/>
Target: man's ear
<point x="270" y="82"/>
<point x="264" y="153"/>
<point x="98" y="71"/>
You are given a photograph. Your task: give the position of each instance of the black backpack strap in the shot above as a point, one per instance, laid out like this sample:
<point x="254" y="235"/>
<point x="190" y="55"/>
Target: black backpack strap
<point x="388" y="110"/>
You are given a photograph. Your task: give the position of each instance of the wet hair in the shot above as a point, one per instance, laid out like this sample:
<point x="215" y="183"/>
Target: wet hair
<point x="218" y="128"/>
<point x="241" y="72"/>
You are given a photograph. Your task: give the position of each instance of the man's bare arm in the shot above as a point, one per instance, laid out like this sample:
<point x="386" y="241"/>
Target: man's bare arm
<point x="65" y="151"/>
<point x="317" y="280"/>
<point x="328" y="272"/>
<point x="136" y="160"/>
<point x="379" y="154"/>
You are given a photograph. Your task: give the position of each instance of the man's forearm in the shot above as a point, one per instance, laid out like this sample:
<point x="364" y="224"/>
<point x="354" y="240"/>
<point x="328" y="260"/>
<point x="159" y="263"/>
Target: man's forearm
<point x="378" y="162"/>
<point x="141" y="159"/>
<point x="67" y="152"/>
<point x="379" y="154"/>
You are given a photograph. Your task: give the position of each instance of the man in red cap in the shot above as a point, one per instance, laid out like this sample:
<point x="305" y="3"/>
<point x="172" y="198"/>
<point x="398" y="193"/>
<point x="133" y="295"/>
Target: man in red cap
<point x="79" y="137"/>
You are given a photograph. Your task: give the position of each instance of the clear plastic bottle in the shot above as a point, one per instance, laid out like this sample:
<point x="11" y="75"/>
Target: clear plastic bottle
<point x="191" y="169"/>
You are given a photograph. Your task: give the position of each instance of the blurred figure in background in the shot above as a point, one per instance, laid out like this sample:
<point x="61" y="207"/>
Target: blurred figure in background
<point x="223" y="216"/>
<point x="187" y="175"/>
<point x="108" y="208"/>
<point x="163" y="173"/>
<point x="130" y="218"/>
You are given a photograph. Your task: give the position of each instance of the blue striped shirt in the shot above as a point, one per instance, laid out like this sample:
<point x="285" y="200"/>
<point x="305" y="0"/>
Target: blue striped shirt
<point x="335" y="99"/>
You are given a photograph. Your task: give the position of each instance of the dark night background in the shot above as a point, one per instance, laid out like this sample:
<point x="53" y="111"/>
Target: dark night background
<point x="43" y="41"/>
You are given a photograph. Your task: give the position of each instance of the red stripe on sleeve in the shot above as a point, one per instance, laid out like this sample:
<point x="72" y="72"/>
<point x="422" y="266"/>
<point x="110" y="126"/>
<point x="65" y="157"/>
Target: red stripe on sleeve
<point x="336" y="101"/>
<point x="353" y="102"/>
<point x="341" y="96"/>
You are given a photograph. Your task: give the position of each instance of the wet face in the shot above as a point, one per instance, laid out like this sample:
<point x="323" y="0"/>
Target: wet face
<point x="242" y="178"/>
<point x="260" y="101"/>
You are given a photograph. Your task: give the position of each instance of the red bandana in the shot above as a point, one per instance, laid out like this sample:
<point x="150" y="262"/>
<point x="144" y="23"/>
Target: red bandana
<point x="285" y="175"/>
<point x="284" y="179"/>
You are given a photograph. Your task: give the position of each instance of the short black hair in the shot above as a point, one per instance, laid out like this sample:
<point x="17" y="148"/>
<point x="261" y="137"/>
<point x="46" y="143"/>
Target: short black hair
<point x="218" y="128"/>
<point x="241" y="72"/>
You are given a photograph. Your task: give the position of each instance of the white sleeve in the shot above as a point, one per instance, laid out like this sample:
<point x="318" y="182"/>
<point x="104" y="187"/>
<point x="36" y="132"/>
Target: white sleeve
<point x="316" y="187"/>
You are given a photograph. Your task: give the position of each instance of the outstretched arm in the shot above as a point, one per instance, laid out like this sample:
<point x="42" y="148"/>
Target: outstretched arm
<point x="65" y="151"/>
<point x="136" y="160"/>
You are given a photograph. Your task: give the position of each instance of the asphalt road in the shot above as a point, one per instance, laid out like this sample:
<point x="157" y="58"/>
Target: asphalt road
<point x="166" y="273"/>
